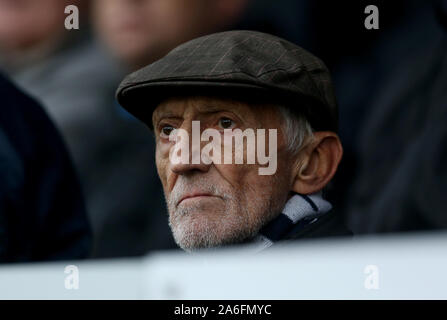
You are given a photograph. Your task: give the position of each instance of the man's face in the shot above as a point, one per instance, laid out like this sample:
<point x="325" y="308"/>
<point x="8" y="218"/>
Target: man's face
<point x="141" y="31"/>
<point x="25" y="23"/>
<point x="218" y="204"/>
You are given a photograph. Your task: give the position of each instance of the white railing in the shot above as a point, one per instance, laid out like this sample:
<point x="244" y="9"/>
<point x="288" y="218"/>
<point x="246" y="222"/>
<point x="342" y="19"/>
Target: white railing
<point x="387" y="267"/>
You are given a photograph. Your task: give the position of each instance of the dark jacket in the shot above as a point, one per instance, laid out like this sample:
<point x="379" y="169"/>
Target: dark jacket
<point x="42" y="212"/>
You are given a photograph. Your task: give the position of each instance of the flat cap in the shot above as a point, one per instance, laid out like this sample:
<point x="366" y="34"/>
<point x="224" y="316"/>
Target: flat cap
<point x="240" y="64"/>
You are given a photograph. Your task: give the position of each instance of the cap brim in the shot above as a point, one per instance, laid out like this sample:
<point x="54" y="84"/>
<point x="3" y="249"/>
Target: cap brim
<point x="142" y="99"/>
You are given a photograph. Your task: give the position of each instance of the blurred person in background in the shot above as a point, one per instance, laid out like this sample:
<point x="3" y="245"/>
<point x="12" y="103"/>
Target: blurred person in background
<point x="30" y="30"/>
<point x="401" y="180"/>
<point x="139" y="32"/>
<point x="42" y="211"/>
<point x="75" y="80"/>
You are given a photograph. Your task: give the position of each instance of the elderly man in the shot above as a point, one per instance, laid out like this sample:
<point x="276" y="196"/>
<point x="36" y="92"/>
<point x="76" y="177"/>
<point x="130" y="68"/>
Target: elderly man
<point x="228" y="83"/>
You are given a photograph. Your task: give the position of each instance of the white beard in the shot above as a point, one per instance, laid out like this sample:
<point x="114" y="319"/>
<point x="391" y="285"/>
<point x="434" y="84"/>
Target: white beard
<point x="197" y="231"/>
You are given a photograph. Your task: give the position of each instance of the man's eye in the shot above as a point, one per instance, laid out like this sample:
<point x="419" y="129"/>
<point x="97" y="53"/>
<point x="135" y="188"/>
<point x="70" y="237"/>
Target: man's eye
<point x="166" y="130"/>
<point x="226" y="123"/>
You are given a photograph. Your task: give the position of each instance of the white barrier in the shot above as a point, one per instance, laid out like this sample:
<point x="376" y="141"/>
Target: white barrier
<point x="386" y="267"/>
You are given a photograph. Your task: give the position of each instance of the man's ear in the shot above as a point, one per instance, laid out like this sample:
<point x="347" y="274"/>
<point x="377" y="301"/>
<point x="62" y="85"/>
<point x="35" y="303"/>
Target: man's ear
<point x="317" y="163"/>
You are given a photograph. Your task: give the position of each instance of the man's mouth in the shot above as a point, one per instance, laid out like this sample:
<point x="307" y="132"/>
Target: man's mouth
<point x="196" y="196"/>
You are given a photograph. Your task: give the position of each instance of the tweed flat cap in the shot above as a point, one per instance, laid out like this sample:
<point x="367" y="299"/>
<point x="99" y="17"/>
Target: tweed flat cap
<point x="237" y="64"/>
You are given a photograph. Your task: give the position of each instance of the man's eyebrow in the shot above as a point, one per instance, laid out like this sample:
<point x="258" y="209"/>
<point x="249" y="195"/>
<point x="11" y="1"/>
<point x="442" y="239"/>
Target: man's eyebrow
<point x="164" y="114"/>
<point x="211" y="108"/>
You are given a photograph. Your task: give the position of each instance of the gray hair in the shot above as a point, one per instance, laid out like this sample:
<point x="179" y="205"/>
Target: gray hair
<point x="296" y="129"/>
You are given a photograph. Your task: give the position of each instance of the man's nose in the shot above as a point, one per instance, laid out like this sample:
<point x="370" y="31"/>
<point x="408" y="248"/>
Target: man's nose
<point x="182" y="168"/>
<point x="194" y="145"/>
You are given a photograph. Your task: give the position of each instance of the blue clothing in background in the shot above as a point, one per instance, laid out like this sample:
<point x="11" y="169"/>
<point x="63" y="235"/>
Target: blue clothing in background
<point x="42" y="211"/>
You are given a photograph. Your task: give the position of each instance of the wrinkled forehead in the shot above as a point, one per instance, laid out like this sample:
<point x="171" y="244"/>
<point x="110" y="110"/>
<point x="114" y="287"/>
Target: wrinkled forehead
<point x="178" y="106"/>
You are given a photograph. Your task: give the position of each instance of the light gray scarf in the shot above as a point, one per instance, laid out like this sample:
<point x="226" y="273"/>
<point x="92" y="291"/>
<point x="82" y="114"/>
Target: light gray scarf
<point x="300" y="210"/>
